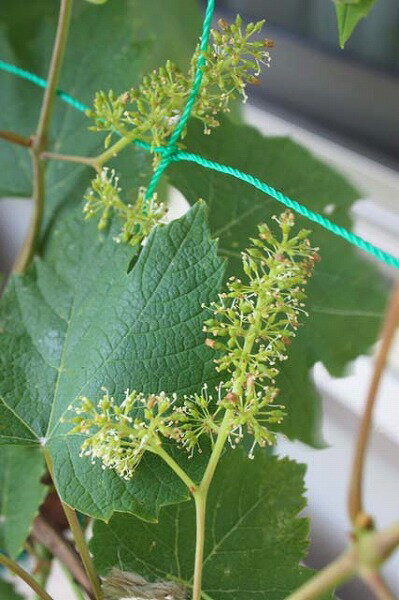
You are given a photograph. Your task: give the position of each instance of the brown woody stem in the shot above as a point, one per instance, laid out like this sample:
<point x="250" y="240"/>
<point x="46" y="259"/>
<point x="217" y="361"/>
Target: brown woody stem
<point x="363" y="558"/>
<point x="376" y="583"/>
<point x="355" y="496"/>
<point x="83" y="160"/>
<point x="39" y="141"/>
<point x="15" y="138"/>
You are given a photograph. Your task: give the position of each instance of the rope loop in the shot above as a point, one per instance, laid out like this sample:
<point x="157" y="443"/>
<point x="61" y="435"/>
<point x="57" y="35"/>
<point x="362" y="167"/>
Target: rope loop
<point x="169" y="152"/>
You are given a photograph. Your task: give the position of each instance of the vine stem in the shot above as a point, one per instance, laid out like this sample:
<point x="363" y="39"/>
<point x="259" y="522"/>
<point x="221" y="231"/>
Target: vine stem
<point x="363" y="558"/>
<point x="79" y="539"/>
<point x="355" y="494"/>
<point x="16" y="138"/>
<point x="83" y="550"/>
<point x="39" y="140"/>
<point x="336" y="573"/>
<point x="200" y="518"/>
<point x="114" y="150"/>
<point x="175" y="467"/>
<point x="83" y="160"/>
<point x="96" y="162"/>
<point x="25" y="576"/>
<point x="201" y="497"/>
<point x="376" y="583"/>
<point x="200" y="493"/>
<point x="216" y="452"/>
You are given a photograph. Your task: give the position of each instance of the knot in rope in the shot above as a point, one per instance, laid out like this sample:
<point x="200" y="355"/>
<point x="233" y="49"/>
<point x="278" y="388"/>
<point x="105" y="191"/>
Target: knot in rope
<point x="169" y="152"/>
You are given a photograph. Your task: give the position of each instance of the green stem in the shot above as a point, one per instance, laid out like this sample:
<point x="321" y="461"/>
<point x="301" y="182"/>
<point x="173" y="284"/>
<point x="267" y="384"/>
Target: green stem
<point x="200" y="515"/>
<point x="39" y="141"/>
<point x="54" y="71"/>
<point x="216" y="453"/>
<point x="200" y="498"/>
<point x="44" y="533"/>
<point x="83" y="160"/>
<point x="79" y="539"/>
<point x="376" y="583"/>
<point x="27" y="250"/>
<point x="176" y="468"/>
<point x="339" y="571"/>
<point x="201" y="495"/>
<point x="364" y="558"/>
<point x="29" y="580"/>
<point x="114" y="150"/>
<point x="83" y="550"/>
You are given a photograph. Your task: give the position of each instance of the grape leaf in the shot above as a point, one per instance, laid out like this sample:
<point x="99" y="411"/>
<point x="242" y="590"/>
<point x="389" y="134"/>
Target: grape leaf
<point x="254" y="541"/>
<point x="349" y="15"/>
<point x="7" y="591"/>
<point x="110" y="47"/>
<point x="346" y="297"/>
<point x="20" y="496"/>
<point x="78" y="321"/>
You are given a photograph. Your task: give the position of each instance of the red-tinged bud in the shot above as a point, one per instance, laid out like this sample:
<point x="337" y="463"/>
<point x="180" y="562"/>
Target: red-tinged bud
<point x="232" y="398"/>
<point x="253" y="80"/>
<point x="124" y="98"/>
<point x="151" y="402"/>
<point x="250" y="382"/>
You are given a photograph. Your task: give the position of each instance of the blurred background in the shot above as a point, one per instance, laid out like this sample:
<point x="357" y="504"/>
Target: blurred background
<point x="351" y="93"/>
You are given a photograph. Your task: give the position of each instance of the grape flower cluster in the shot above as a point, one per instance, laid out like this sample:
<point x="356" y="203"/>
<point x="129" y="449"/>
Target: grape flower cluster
<point x="252" y="325"/>
<point x="138" y="219"/>
<point x="150" y="112"/>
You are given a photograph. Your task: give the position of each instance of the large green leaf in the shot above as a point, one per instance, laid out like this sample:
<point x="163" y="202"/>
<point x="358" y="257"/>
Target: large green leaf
<point x="254" y="540"/>
<point x="110" y="47"/>
<point x="348" y="16"/>
<point x="345" y="295"/>
<point x="7" y="591"/>
<point x="78" y="321"/>
<point x="20" y="495"/>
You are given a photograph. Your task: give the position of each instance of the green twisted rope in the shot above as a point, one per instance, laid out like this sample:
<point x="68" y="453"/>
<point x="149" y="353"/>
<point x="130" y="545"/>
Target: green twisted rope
<point x="350" y="237"/>
<point x="171" y="154"/>
<point x="4" y="66"/>
<point x="171" y="149"/>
